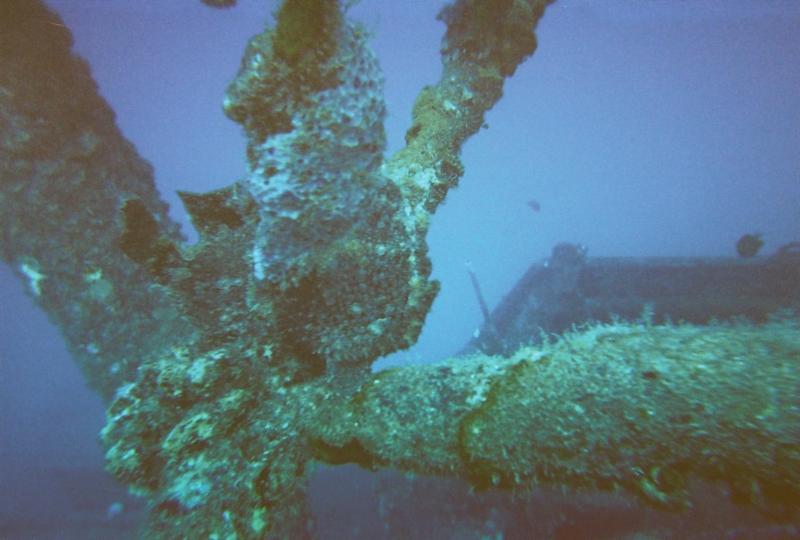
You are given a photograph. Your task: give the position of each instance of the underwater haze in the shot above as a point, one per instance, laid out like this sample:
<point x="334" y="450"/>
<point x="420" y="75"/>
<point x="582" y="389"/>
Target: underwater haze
<point x="637" y="129"/>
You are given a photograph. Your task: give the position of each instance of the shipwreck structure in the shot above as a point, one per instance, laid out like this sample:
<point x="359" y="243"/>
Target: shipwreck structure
<point x="229" y="365"/>
<point x="570" y="289"/>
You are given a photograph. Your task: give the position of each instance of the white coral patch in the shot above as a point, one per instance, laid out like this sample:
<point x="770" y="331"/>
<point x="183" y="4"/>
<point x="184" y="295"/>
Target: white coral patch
<point x="35" y="277"/>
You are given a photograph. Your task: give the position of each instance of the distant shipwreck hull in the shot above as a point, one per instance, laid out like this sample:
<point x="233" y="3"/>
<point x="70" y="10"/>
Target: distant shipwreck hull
<point x="569" y="289"/>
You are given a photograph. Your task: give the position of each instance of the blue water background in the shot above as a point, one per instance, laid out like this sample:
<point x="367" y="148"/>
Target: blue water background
<point x="641" y="128"/>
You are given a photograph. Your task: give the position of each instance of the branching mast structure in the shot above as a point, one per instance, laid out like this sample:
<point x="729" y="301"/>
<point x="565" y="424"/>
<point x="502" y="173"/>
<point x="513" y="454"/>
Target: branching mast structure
<point x="230" y="364"/>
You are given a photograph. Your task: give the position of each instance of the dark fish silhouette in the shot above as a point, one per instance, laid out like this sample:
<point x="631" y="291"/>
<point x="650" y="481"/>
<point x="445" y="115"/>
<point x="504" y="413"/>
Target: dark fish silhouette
<point x="749" y="245"/>
<point x="534" y="205"/>
<point x="220" y="3"/>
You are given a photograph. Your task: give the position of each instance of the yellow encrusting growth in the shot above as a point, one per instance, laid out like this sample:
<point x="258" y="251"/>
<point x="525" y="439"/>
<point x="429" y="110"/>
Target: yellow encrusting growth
<point x="304" y="30"/>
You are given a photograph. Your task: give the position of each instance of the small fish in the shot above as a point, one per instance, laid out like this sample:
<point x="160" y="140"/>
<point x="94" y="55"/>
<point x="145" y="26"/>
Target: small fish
<point x="749" y="245"/>
<point x="534" y="205"/>
<point x="219" y="3"/>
